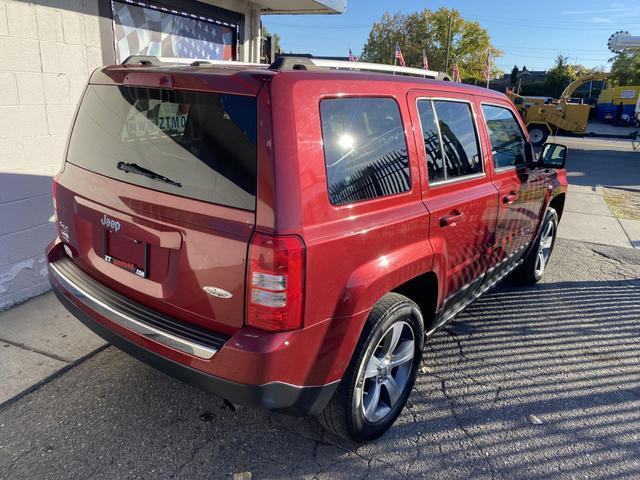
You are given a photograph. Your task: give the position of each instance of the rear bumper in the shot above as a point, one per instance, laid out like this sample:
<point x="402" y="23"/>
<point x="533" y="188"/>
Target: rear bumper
<point x="91" y="305"/>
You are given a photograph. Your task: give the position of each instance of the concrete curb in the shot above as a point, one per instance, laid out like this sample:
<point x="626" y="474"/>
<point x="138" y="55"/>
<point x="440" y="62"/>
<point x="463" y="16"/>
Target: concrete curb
<point x="588" y="218"/>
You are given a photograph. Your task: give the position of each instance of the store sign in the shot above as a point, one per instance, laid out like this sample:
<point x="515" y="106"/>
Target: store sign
<point x="145" y="29"/>
<point x="628" y="94"/>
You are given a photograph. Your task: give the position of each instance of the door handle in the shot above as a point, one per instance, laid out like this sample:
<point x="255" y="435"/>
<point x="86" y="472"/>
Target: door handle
<point x="509" y="199"/>
<point x="451" y="220"/>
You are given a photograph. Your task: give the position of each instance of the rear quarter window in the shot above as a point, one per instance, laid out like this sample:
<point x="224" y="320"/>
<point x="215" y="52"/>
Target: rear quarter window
<point x="365" y="149"/>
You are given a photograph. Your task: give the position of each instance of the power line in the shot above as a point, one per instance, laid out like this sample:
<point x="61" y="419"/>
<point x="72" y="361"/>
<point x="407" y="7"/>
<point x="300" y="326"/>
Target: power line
<point x="518" y="47"/>
<point x="526" y="24"/>
<point x="546" y="25"/>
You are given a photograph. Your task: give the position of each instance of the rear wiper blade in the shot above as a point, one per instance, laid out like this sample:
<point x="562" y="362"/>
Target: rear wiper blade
<point x="135" y="168"/>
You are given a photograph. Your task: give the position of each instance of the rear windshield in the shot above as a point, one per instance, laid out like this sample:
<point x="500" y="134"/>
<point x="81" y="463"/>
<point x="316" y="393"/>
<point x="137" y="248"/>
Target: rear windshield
<point x="196" y="145"/>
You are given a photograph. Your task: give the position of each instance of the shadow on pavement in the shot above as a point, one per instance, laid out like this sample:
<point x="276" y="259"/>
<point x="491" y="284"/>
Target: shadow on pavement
<point x="546" y="380"/>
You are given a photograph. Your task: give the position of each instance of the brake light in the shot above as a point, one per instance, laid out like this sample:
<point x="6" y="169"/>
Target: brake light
<point x="275" y="282"/>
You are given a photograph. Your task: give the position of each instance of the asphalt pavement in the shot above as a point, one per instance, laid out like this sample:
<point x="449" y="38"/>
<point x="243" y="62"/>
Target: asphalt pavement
<point x="595" y="161"/>
<point x="531" y="383"/>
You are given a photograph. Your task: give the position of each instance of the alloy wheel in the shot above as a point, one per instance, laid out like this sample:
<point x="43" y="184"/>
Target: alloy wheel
<point x="544" y="249"/>
<point x="386" y="373"/>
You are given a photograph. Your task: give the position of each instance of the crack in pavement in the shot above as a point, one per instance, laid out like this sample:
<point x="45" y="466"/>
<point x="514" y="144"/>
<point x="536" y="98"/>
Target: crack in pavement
<point x="36" y="350"/>
<point x="466" y="432"/>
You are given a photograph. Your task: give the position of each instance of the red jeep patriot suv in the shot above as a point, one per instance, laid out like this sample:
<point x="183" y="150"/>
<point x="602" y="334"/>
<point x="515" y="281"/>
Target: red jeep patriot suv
<point x="287" y="236"/>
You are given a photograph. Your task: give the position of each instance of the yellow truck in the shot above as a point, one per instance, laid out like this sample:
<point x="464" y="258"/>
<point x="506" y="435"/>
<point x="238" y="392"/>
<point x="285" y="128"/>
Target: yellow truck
<point x="610" y="98"/>
<point x="545" y="116"/>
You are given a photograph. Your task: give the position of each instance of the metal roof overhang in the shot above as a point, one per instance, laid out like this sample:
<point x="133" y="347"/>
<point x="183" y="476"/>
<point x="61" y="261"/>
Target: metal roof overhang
<point x="274" y="7"/>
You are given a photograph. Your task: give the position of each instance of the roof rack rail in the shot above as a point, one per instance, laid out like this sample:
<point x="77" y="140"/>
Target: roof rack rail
<point x="308" y="62"/>
<point x="291" y="62"/>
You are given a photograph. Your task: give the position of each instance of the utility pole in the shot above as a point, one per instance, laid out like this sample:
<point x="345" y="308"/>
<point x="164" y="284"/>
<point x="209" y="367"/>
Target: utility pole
<point x="446" y="68"/>
<point x="488" y="66"/>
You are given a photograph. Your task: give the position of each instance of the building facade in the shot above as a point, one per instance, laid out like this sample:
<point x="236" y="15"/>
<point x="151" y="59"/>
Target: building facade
<point x="48" y="49"/>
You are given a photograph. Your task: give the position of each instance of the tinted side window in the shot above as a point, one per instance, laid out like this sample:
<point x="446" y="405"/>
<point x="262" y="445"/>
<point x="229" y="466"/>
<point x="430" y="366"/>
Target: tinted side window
<point x="431" y="138"/>
<point x="507" y="141"/>
<point x="459" y="139"/>
<point x="364" y="148"/>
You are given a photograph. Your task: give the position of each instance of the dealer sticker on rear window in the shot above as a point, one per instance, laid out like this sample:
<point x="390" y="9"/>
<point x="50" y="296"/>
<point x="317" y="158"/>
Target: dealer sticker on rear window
<point x="155" y="119"/>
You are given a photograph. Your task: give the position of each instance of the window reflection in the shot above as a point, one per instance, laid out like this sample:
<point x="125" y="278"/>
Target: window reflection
<point x="450" y="139"/>
<point x="365" y="149"/>
<point x="507" y="140"/>
<point x="459" y="139"/>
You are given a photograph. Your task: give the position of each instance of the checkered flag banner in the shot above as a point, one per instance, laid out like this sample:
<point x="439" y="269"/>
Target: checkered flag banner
<point x="141" y="29"/>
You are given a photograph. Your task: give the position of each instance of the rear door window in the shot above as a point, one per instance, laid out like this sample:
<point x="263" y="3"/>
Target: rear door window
<point x="459" y="139"/>
<point x="450" y="139"/>
<point x="508" y="143"/>
<point x="431" y="138"/>
<point x="191" y="144"/>
<point x="365" y="149"/>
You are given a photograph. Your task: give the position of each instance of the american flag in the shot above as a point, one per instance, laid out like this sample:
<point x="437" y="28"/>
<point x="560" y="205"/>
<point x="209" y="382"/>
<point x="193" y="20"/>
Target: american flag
<point x="425" y="62"/>
<point x="352" y="58"/>
<point x="148" y="31"/>
<point x="399" y="56"/>
<point x="456" y="71"/>
<point x="487" y="67"/>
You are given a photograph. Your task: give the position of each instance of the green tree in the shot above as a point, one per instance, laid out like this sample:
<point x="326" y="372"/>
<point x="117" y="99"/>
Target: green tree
<point x="275" y="38"/>
<point x="534" y="89"/>
<point x="625" y="68"/>
<point x="513" y="78"/>
<point x="427" y="30"/>
<point x="561" y="75"/>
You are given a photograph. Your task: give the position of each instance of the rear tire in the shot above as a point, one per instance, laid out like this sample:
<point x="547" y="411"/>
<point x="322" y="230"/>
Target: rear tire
<point x="538" y="134"/>
<point x="381" y="374"/>
<point x="536" y="261"/>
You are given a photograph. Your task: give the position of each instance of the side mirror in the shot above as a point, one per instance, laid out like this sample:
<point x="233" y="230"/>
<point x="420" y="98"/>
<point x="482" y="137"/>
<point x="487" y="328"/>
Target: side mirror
<point x="553" y="155"/>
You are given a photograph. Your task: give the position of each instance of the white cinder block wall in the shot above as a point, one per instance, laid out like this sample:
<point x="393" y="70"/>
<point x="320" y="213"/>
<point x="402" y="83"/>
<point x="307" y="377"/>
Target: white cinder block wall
<point x="47" y="50"/>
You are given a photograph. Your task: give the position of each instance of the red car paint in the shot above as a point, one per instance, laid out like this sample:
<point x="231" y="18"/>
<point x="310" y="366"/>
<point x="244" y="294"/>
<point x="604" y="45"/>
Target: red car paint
<point x="353" y="254"/>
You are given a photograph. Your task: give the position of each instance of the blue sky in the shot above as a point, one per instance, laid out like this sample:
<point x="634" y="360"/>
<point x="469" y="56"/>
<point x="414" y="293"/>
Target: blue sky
<point x="530" y="33"/>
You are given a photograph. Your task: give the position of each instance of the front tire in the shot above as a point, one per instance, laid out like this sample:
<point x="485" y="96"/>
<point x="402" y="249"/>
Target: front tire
<point x="535" y="263"/>
<point x="381" y="374"/>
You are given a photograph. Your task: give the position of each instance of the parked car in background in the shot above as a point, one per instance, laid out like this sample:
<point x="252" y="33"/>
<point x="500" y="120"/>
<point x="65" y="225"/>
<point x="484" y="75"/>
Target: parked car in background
<point x="287" y="237"/>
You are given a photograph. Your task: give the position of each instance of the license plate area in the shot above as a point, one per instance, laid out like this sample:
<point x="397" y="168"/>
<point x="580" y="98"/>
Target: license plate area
<point x="126" y="253"/>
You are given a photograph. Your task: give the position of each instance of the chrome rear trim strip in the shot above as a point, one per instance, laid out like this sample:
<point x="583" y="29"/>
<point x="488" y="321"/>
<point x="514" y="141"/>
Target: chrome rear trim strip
<point x="127" y="321"/>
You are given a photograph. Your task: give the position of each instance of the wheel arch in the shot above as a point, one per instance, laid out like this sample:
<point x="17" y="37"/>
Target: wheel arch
<point x="423" y="290"/>
<point x="407" y="271"/>
<point x="557" y="203"/>
<point x="368" y="283"/>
